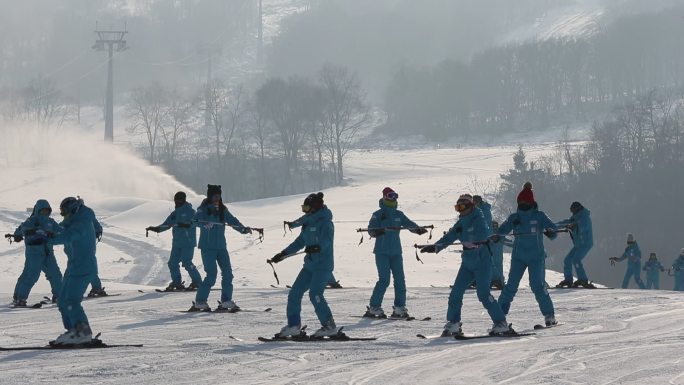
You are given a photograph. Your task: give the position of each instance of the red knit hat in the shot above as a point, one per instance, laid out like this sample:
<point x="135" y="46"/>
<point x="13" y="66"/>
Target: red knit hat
<point x="389" y="194"/>
<point x="526" y="195"/>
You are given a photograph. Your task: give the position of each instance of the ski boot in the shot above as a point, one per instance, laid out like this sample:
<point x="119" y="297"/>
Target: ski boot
<point x="374" y="312"/>
<point x="501" y="328"/>
<point x="335" y="285"/>
<point x="550" y="320"/>
<point x="496" y="285"/>
<point x="565" y="283"/>
<point x="399" y="312"/>
<point x="452" y="329"/>
<point x="18" y="303"/>
<point x="328" y="329"/>
<point x="290" y="331"/>
<point x="175" y="287"/>
<point x="199" y="306"/>
<point x="192" y="287"/>
<point x="97" y="293"/>
<point x="473" y="285"/>
<point x="227" y="307"/>
<point x="583" y="283"/>
<point x="79" y="335"/>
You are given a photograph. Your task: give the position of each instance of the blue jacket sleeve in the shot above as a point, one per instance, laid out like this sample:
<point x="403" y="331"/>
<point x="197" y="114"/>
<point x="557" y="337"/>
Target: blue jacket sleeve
<point x="296" y="245"/>
<point x="168" y="223"/>
<point x="230" y="220"/>
<point x="407" y="223"/>
<point x="450" y="237"/>
<point x="96" y="224"/>
<point x="326" y="238"/>
<point x="506" y="227"/>
<point x="548" y="224"/>
<point x="73" y="233"/>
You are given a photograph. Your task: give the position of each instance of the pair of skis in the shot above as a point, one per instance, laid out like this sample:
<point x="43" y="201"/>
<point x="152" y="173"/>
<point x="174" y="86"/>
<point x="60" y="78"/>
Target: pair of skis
<point x="303" y="337"/>
<point x="95" y="343"/>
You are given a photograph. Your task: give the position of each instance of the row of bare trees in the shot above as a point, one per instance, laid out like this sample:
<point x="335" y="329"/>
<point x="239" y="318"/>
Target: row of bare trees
<point x="40" y="101"/>
<point x="309" y="125"/>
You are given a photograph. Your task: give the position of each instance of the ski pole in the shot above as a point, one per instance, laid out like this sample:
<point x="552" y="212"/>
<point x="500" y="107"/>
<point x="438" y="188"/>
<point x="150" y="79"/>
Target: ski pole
<point x="270" y="262"/>
<point x="392" y="228"/>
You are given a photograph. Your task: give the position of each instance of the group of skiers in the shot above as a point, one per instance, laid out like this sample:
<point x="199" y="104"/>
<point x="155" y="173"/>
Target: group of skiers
<point x="79" y="232"/>
<point x="652" y="267"/>
<point x="482" y="240"/>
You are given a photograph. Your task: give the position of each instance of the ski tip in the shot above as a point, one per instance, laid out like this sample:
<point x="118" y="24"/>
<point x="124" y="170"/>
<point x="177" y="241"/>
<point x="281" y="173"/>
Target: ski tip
<point x="268" y="309"/>
<point x="421" y="336"/>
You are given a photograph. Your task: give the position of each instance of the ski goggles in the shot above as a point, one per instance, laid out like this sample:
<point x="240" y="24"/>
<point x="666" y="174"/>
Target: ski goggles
<point x="462" y="206"/>
<point x="392" y="196"/>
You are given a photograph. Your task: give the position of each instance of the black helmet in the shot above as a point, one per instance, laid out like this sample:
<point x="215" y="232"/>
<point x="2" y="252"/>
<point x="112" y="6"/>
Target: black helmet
<point x="69" y="205"/>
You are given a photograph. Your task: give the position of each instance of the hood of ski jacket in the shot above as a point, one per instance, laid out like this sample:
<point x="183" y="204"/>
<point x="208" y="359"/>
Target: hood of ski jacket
<point x="181" y="221"/>
<point x="35" y="230"/>
<point x="212" y="224"/>
<point x="486" y="211"/>
<point x="389" y="243"/>
<point x="78" y="238"/>
<point x="529" y="225"/>
<point x="317" y="229"/>
<point x="468" y="229"/>
<point x="632" y="253"/>
<point x="582" y="233"/>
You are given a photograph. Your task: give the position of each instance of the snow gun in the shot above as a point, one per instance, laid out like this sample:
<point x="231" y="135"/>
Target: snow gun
<point x="394" y="228"/>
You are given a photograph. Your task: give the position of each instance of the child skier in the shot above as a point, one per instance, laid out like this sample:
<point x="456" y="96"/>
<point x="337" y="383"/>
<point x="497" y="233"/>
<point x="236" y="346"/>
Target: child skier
<point x="212" y="216"/>
<point x="384" y="226"/>
<point x="476" y="263"/>
<point x="183" y="244"/>
<point x="678" y="272"/>
<point x="528" y="225"/>
<point x="582" y="236"/>
<point x="316" y="238"/>
<point x="633" y="254"/>
<point x="653" y="268"/>
<point x="38" y="253"/>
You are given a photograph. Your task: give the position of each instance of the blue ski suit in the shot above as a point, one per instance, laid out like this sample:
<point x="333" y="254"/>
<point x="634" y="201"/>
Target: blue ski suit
<point x="633" y="255"/>
<point x="476" y="263"/>
<point x="212" y="244"/>
<point x="528" y="253"/>
<point x="653" y="267"/>
<point x="582" y="240"/>
<point x="78" y="238"/>
<point x="183" y="243"/>
<point x="486" y="209"/>
<point x="298" y="223"/>
<point x="317" y="229"/>
<point x="678" y="270"/>
<point x="95" y="283"/>
<point x="388" y="253"/>
<point x="38" y="252"/>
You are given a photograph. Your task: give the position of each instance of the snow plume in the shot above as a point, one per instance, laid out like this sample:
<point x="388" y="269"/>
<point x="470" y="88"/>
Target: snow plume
<point x="53" y="163"/>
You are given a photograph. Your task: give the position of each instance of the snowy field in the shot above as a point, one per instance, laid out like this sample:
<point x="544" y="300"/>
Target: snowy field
<point x="608" y="336"/>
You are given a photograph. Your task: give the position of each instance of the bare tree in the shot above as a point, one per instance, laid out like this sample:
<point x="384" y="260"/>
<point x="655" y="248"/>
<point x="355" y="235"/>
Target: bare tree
<point x="345" y="110"/>
<point x="146" y="110"/>
<point x="179" y="118"/>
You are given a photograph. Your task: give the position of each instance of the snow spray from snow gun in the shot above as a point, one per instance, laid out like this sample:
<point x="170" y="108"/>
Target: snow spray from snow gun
<point x="394" y="228"/>
<point x="271" y="262"/>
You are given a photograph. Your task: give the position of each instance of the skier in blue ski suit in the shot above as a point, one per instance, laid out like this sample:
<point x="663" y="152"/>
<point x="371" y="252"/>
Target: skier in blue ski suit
<point x="485" y="207"/>
<point x="633" y="254"/>
<point x="678" y="272"/>
<point x="183" y="243"/>
<point x="78" y="238"/>
<point x="316" y="238"/>
<point x="96" y="289"/>
<point x="333" y="282"/>
<point x="497" y="246"/>
<point x="212" y="217"/>
<point x="384" y="226"/>
<point x="582" y="236"/>
<point x="530" y="225"/>
<point x="476" y="263"/>
<point x="38" y="253"/>
<point x="653" y="268"/>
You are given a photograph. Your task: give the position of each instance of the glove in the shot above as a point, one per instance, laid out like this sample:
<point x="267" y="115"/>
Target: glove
<point x="289" y="224"/>
<point x="495" y="238"/>
<point x="184" y="225"/>
<point x="18" y="238"/>
<point x="278" y="257"/>
<point x="570" y="226"/>
<point x="376" y="233"/>
<point x="419" y="231"/>
<point x="246" y="230"/>
<point x="429" y="249"/>
<point x="98" y="235"/>
<point x="549" y="233"/>
<point x="312" y="249"/>
<point x="153" y="228"/>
